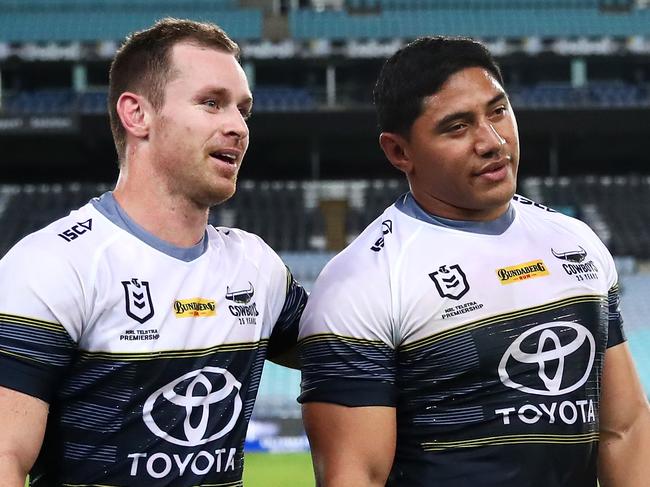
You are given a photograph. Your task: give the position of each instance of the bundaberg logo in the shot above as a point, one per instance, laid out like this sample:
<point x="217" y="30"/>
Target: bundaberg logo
<point x="195" y="307"/>
<point x="522" y="272"/>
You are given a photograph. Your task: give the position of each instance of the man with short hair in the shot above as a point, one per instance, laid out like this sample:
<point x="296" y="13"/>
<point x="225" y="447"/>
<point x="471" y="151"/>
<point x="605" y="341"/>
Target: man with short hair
<point x="468" y="336"/>
<point x="132" y="333"/>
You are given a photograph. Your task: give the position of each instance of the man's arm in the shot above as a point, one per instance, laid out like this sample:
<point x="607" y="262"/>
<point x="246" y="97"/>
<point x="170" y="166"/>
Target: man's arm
<point x="22" y="427"/>
<point x="623" y="459"/>
<point x="350" y="446"/>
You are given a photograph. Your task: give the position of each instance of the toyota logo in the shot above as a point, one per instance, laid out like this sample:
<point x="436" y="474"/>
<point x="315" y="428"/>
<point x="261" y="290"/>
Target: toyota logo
<point x="198" y="396"/>
<point x="552" y="347"/>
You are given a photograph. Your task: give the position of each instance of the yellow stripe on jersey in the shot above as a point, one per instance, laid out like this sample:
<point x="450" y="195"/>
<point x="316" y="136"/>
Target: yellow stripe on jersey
<point x="169" y="354"/>
<point x="32" y="322"/>
<point x="511" y="440"/>
<point x="457" y="330"/>
<point x="323" y="337"/>
<point x="23" y="357"/>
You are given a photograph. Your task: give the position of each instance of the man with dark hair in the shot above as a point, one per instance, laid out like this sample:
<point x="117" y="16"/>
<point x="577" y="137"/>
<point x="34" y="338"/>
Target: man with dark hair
<point x="468" y="337"/>
<point x="132" y="333"/>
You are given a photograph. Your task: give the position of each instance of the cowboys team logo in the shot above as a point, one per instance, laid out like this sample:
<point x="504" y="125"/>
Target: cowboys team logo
<point x="575" y="264"/>
<point x="138" y="300"/>
<point x="242" y="296"/>
<point x="561" y="353"/>
<point x="450" y="281"/>
<point x="575" y="256"/>
<point x="245" y="311"/>
<point x="198" y="407"/>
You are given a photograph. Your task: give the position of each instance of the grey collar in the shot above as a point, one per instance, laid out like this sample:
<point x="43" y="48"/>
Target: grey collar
<point x="108" y="206"/>
<point x="407" y="205"/>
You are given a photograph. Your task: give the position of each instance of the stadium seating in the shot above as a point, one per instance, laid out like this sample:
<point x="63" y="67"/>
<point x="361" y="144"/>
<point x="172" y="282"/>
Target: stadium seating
<point x="291" y="217"/>
<point x="24" y="209"/>
<point x="91" y="24"/>
<point x="599" y="94"/>
<point x="477" y="22"/>
<point x="616" y="207"/>
<point x="267" y="98"/>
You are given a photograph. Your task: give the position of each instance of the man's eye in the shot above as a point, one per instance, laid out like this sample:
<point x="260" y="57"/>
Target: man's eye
<point x="210" y="103"/>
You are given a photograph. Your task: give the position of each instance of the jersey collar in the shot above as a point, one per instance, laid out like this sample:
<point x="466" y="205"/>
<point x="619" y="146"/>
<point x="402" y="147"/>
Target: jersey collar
<point x="407" y="205"/>
<point x="108" y="206"/>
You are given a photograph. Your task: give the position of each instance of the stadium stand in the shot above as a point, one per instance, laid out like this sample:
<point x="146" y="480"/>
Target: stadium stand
<point x="616" y="207"/>
<point x="488" y="23"/>
<point x="66" y="21"/>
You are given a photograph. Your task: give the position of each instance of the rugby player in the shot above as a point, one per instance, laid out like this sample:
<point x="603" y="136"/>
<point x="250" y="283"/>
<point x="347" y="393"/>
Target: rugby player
<point x="469" y="336"/>
<point x="132" y="333"/>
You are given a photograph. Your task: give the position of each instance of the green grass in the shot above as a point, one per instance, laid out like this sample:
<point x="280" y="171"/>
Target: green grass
<point x="278" y="470"/>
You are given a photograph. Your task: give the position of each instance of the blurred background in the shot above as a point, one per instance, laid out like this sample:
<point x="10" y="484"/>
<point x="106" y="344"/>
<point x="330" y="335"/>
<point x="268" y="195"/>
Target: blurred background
<point x="577" y="71"/>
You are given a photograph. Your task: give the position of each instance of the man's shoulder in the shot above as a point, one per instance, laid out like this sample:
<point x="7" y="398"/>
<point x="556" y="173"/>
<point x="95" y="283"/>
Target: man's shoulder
<point x="236" y="239"/>
<point x="543" y="212"/>
<point x="70" y="236"/>
<point x="367" y="257"/>
<point x="237" y="243"/>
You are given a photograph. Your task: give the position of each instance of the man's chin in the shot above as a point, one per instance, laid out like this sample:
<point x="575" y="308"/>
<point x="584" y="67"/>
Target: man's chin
<point x="220" y="195"/>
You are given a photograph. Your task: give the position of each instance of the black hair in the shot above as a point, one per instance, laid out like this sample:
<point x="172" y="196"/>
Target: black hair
<point x="419" y="70"/>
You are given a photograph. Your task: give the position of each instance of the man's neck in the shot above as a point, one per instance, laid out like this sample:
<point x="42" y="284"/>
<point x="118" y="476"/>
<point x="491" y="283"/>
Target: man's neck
<point x="169" y="217"/>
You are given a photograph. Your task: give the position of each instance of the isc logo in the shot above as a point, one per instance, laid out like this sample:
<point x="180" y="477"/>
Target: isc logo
<point x="79" y="229"/>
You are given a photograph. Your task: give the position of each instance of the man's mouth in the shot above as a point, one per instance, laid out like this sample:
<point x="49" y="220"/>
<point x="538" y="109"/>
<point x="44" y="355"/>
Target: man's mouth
<point x="493" y="167"/>
<point x="229" y="157"/>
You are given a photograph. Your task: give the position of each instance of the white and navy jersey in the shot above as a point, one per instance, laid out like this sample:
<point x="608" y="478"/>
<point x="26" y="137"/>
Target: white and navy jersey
<point x="488" y="337"/>
<point x="149" y="355"/>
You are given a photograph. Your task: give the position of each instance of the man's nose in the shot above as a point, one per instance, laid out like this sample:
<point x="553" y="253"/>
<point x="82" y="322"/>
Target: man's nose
<point x="235" y="124"/>
<point x="489" y="142"/>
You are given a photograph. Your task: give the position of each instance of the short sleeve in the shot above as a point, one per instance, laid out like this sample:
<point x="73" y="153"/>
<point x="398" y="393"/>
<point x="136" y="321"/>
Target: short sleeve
<point x="38" y="310"/>
<point x="616" y="334"/>
<point x="346" y="347"/>
<point x="285" y="332"/>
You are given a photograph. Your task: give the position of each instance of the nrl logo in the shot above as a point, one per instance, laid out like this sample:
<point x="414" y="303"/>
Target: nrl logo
<point x="243" y="296"/>
<point x="450" y="281"/>
<point x="138" y="300"/>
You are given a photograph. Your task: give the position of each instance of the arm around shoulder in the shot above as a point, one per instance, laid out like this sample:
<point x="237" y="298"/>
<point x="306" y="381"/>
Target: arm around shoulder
<point x="624" y="423"/>
<point x="350" y="446"/>
<point x="22" y="422"/>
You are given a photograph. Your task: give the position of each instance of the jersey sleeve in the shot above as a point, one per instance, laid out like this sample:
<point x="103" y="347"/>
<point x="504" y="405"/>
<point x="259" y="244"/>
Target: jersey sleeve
<point x="285" y="332"/>
<point x="346" y="347"/>
<point x="40" y="317"/>
<point x="616" y="332"/>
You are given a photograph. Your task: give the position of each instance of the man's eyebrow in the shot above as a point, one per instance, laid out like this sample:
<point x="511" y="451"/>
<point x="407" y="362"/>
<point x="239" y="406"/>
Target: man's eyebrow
<point x="224" y="92"/>
<point x="465" y="115"/>
<point x="499" y="97"/>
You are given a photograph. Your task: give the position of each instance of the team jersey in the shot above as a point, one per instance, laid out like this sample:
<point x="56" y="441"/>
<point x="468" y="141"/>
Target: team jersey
<point x="149" y="355"/>
<point x="488" y="338"/>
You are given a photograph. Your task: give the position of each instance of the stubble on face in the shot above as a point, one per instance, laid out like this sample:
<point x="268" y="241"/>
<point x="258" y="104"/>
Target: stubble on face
<point x="186" y="132"/>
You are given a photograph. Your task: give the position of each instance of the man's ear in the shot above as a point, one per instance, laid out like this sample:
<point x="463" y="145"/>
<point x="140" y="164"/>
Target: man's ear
<point x="395" y="148"/>
<point x="133" y="111"/>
